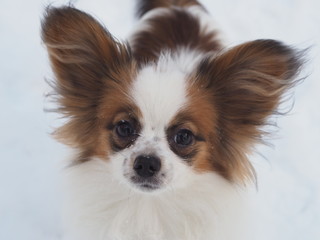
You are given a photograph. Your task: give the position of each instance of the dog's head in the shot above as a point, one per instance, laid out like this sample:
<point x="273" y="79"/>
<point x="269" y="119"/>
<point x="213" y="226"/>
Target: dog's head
<point x="162" y="123"/>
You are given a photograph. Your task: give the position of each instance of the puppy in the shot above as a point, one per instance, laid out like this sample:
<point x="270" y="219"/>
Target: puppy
<point x="163" y="124"/>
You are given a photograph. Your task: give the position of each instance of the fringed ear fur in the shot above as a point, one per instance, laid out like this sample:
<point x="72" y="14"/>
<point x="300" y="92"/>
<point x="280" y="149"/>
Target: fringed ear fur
<point x="84" y="57"/>
<point x="247" y="83"/>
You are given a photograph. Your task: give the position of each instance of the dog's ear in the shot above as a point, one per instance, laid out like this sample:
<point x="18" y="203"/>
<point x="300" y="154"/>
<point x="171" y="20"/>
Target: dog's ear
<point x="246" y="84"/>
<point x="84" y="57"/>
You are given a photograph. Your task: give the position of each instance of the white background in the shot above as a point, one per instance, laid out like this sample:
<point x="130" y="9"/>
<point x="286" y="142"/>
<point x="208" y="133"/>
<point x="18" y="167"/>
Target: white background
<point x="31" y="162"/>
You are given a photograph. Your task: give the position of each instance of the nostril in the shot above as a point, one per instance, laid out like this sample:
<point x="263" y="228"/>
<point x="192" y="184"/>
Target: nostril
<point x="137" y="166"/>
<point x="152" y="168"/>
<point x="147" y="166"/>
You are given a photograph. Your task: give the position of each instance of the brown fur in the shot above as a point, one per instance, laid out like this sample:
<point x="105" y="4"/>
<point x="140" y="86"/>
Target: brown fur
<point x="176" y="29"/>
<point x="113" y="111"/>
<point x="145" y="6"/>
<point x="89" y="65"/>
<point x="185" y="120"/>
<point x="244" y="86"/>
<point x="231" y="93"/>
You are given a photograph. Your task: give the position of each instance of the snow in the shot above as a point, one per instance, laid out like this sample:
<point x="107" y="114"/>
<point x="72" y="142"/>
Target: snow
<point x="31" y="161"/>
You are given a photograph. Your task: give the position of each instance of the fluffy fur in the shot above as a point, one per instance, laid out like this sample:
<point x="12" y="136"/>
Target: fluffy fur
<point x="174" y="96"/>
<point x="102" y="207"/>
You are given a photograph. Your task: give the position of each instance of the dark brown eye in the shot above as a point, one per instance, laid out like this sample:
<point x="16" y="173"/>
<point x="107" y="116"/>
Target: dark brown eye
<point x="184" y="137"/>
<point x="124" y="129"/>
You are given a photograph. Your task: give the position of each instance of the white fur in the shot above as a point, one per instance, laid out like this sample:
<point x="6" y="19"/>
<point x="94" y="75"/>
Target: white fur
<point x="207" y="24"/>
<point x="159" y="91"/>
<point x="103" y="204"/>
<point x="101" y="208"/>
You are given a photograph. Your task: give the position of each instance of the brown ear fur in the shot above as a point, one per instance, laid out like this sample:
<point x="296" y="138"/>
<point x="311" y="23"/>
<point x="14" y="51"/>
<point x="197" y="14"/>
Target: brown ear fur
<point x="246" y="84"/>
<point x="84" y="58"/>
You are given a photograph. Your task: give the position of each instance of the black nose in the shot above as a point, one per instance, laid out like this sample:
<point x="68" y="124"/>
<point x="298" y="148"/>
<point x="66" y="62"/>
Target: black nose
<point x="146" y="166"/>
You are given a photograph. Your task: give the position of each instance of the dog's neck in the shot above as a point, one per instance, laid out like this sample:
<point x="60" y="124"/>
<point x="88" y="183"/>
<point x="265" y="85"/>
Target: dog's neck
<point x="211" y="208"/>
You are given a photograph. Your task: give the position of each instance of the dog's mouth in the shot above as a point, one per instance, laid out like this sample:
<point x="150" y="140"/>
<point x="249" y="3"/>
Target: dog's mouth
<point x="149" y="187"/>
<point x="146" y="184"/>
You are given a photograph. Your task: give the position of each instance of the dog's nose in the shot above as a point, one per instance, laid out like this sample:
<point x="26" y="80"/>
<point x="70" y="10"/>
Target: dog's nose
<point x="146" y="166"/>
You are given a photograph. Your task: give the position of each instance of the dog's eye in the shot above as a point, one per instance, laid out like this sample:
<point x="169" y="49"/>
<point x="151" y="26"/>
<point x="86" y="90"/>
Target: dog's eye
<point x="184" y="137"/>
<point x="124" y="129"/>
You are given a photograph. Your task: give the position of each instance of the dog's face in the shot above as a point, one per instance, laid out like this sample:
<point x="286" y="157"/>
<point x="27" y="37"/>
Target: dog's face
<point x="157" y="135"/>
<point x="163" y="122"/>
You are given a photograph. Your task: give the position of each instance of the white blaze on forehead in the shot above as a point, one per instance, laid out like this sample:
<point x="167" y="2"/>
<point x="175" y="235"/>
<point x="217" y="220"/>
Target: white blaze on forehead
<point x="160" y="90"/>
<point x="159" y="94"/>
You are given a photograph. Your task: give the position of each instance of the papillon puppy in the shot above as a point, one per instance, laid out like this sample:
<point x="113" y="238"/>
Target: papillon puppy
<point x="162" y="124"/>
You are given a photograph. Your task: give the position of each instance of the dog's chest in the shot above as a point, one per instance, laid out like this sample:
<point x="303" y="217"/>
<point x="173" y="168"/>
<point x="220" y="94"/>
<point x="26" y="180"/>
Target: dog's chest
<point x="103" y="210"/>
